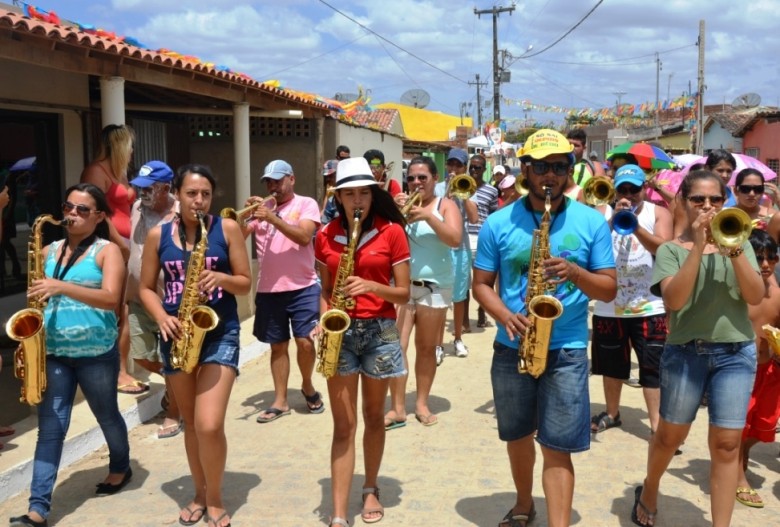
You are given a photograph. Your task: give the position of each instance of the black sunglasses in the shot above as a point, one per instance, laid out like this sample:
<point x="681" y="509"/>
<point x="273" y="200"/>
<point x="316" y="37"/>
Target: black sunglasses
<point x="769" y="258"/>
<point x="81" y="210"/>
<point x="421" y="179"/>
<point x="476" y="167"/>
<point x="628" y="188"/>
<point x="746" y="189"/>
<point x="559" y="168"/>
<point x="699" y="200"/>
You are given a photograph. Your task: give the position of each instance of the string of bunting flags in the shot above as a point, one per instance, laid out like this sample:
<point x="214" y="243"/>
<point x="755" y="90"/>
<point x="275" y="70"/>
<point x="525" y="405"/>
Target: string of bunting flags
<point x="622" y="111"/>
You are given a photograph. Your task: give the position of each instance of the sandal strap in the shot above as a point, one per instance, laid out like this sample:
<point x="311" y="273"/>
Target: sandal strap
<point x="338" y="521"/>
<point x="370" y="490"/>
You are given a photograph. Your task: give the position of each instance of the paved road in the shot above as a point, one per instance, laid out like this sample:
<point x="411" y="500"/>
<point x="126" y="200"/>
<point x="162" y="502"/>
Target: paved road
<point x="451" y="474"/>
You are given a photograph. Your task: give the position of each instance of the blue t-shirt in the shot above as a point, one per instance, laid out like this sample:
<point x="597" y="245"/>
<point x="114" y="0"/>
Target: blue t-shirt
<point x="580" y="235"/>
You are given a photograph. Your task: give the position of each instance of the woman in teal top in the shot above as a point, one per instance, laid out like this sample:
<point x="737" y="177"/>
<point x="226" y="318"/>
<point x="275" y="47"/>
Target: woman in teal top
<point x="434" y="228"/>
<point x="84" y="278"/>
<point x="710" y="348"/>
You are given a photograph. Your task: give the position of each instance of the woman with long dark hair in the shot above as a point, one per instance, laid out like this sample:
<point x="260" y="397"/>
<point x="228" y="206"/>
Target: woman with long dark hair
<point x="710" y="348"/>
<point x="84" y="278"/>
<point x="370" y="351"/>
<point x="203" y="394"/>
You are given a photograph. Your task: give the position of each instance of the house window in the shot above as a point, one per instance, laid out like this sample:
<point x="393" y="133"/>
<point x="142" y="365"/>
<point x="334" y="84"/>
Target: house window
<point x="774" y="164"/>
<point x="752" y="152"/>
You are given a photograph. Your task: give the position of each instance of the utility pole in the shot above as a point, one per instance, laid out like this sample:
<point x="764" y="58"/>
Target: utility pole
<point x="479" y="101"/>
<point x="658" y="65"/>
<point x="619" y="95"/>
<point x="700" y="95"/>
<point x="495" y="11"/>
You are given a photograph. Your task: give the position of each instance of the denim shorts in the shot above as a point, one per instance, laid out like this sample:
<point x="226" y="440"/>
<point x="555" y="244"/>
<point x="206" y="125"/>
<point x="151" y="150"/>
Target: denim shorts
<point x="723" y="371"/>
<point x="372" y="347"/>
<point x="276" y="312"/>
<point x="461" y="265"/>
<point x="556" y="405"/>
<point x="431" y="296"/>
<point x="219" y="349"/>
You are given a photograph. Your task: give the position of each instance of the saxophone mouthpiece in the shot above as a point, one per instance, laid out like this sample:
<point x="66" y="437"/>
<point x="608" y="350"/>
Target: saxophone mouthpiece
<point x="66" y="221"/>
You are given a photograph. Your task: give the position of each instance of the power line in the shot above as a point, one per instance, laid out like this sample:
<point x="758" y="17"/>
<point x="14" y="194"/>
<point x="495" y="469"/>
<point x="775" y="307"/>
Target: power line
<point x="274" y="73"/>
<point x="575" y="26"/>
<point x="620" y="62"/>
<point x="323" y="2"/>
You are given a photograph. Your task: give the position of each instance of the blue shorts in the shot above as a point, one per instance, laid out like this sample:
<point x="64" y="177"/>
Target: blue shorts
<point x="372" y="347"/>
<point x="556" y="405"/>
<point x="219" y="349"/>
<point x="461" y="265"/>
<point x="276" y="312"/>
<point x="723" y="371"/>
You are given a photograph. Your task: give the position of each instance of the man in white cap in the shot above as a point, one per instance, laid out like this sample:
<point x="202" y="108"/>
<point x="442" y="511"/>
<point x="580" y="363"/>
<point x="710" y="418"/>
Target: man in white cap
<point x="553" y="404"/>
<point x="287" y="290"/>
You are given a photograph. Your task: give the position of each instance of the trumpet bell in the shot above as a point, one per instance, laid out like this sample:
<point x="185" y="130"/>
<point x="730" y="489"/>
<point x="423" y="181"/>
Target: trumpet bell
<point x="730" y="227"/>
<point x="462" y="186"/>
<point x="521" y="185"/>
<point x="624" y="222"/>
<point x="599" y="191"/>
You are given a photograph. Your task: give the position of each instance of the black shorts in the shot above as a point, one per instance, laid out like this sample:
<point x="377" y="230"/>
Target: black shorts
<point x="613" y="339"/>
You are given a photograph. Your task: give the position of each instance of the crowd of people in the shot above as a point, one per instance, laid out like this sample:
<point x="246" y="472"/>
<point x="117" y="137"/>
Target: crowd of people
<point x="141" y="254"/>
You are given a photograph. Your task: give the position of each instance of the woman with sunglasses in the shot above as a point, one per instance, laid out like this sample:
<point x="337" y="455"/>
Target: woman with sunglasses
<point x="84" y="278"/>
<point x="710" y="348"/>
<point x="371" y="350"/>
<point x="203" y="394"/>
<point x="434" y="227"/>
<point x="749" y="187"/>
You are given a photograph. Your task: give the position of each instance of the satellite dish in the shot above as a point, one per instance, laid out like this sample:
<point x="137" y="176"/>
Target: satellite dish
<point x="747" y="100"/>
<point x="346" y="97"/>
<point x="416" y="98"/>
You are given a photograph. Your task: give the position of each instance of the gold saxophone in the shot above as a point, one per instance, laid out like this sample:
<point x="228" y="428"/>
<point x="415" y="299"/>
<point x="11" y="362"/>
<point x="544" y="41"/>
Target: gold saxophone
<point x="195" y="319"/>
<point x="543" y="308"/>
<point x="26" y="326"/>
<point x="335" y="321"/>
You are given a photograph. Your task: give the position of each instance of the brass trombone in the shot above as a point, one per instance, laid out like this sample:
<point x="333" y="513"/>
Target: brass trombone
<point x="598" y="191"/>
<point x="243" y="216"/>
<point x="462" y="186"/>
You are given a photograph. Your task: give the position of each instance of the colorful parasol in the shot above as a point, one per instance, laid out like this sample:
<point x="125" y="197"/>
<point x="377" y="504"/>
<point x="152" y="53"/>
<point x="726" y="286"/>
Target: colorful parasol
<point x="647" y="155"/>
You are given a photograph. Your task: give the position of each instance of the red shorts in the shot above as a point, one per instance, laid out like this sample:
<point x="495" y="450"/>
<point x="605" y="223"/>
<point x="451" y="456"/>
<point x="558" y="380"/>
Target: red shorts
<point x="764" y="407"/>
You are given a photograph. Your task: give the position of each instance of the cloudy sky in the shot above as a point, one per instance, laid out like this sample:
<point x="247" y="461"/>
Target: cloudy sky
<point x="440" y="45"/>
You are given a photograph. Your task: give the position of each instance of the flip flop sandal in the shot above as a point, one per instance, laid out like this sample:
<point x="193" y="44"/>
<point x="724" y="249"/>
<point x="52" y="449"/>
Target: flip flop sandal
<point x="750" y="492"/>
<point x="638" y="503"/>
<point x="604" y="421"/>
<point x="170" y="431"/>
<point x="311" y="402"/>
<point x="275" y="414"/>
<point x="427" y="420"/>
<point x="392" y="424"/>
<point x="127" y="389"/>
<point x="192" y="520"/>
<point x="518" y="520"/>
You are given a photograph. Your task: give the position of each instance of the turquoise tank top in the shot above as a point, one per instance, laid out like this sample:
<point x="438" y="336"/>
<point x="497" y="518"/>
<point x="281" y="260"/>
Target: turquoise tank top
<point x="75" y="329"/>
<point x="431" y="258"/>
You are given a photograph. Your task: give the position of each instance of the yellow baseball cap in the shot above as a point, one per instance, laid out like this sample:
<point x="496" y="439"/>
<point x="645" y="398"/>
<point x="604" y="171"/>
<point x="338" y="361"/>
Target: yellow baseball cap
<point x="544" y="143"/>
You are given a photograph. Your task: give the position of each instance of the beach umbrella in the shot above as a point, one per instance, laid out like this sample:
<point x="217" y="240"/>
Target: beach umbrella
<point x="743" y="162"/>
<point x="647" y="155"/>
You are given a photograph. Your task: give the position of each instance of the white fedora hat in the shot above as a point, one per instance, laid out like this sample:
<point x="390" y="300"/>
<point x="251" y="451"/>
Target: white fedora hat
<point x="354" y="172"/>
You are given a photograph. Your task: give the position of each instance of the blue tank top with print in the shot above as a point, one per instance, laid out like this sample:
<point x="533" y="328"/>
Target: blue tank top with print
<point x="173" y="262"/>
<point x="73" y="328"/>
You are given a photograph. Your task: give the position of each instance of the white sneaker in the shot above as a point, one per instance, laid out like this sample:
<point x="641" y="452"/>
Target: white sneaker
<point x="439" y="355"/>
<point x="460" y="349"/>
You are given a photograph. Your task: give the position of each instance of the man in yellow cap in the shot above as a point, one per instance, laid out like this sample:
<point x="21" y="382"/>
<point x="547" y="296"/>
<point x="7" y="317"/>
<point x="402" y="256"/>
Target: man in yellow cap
<point x="574" y="264"/>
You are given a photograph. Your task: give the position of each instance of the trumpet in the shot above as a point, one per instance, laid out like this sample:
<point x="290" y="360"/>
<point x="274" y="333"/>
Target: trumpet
<point x="521" y="185"/>
<point x="242" y="216"/>
<point x="414" y="200"/>
<point x="462" y="186"/>
<point x="599" y="191"/>
<point x="625" y="222"/>
<point x="730" y="228"/>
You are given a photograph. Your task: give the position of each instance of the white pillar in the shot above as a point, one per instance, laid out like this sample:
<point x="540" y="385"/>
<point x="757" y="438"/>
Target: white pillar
<point x="241" y="152"/>
<point x="112" y="100"/>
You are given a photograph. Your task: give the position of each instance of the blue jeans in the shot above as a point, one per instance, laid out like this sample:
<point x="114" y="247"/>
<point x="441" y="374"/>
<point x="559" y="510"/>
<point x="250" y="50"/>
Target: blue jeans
<point x="556" y="405"/>
<point x="97" y="378"/>
<point x="724" y="371"/>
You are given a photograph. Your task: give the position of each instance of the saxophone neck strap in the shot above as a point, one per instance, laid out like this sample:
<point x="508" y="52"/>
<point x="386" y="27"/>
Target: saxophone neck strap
<point x="561" y="207"/>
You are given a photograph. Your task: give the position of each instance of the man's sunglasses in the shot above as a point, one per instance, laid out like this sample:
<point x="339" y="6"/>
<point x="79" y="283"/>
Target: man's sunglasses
<point x="626" y="189"/>
<point x="559" y="168"/>
<point x="476" y="167"/>
<point x="81" y="210"/>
